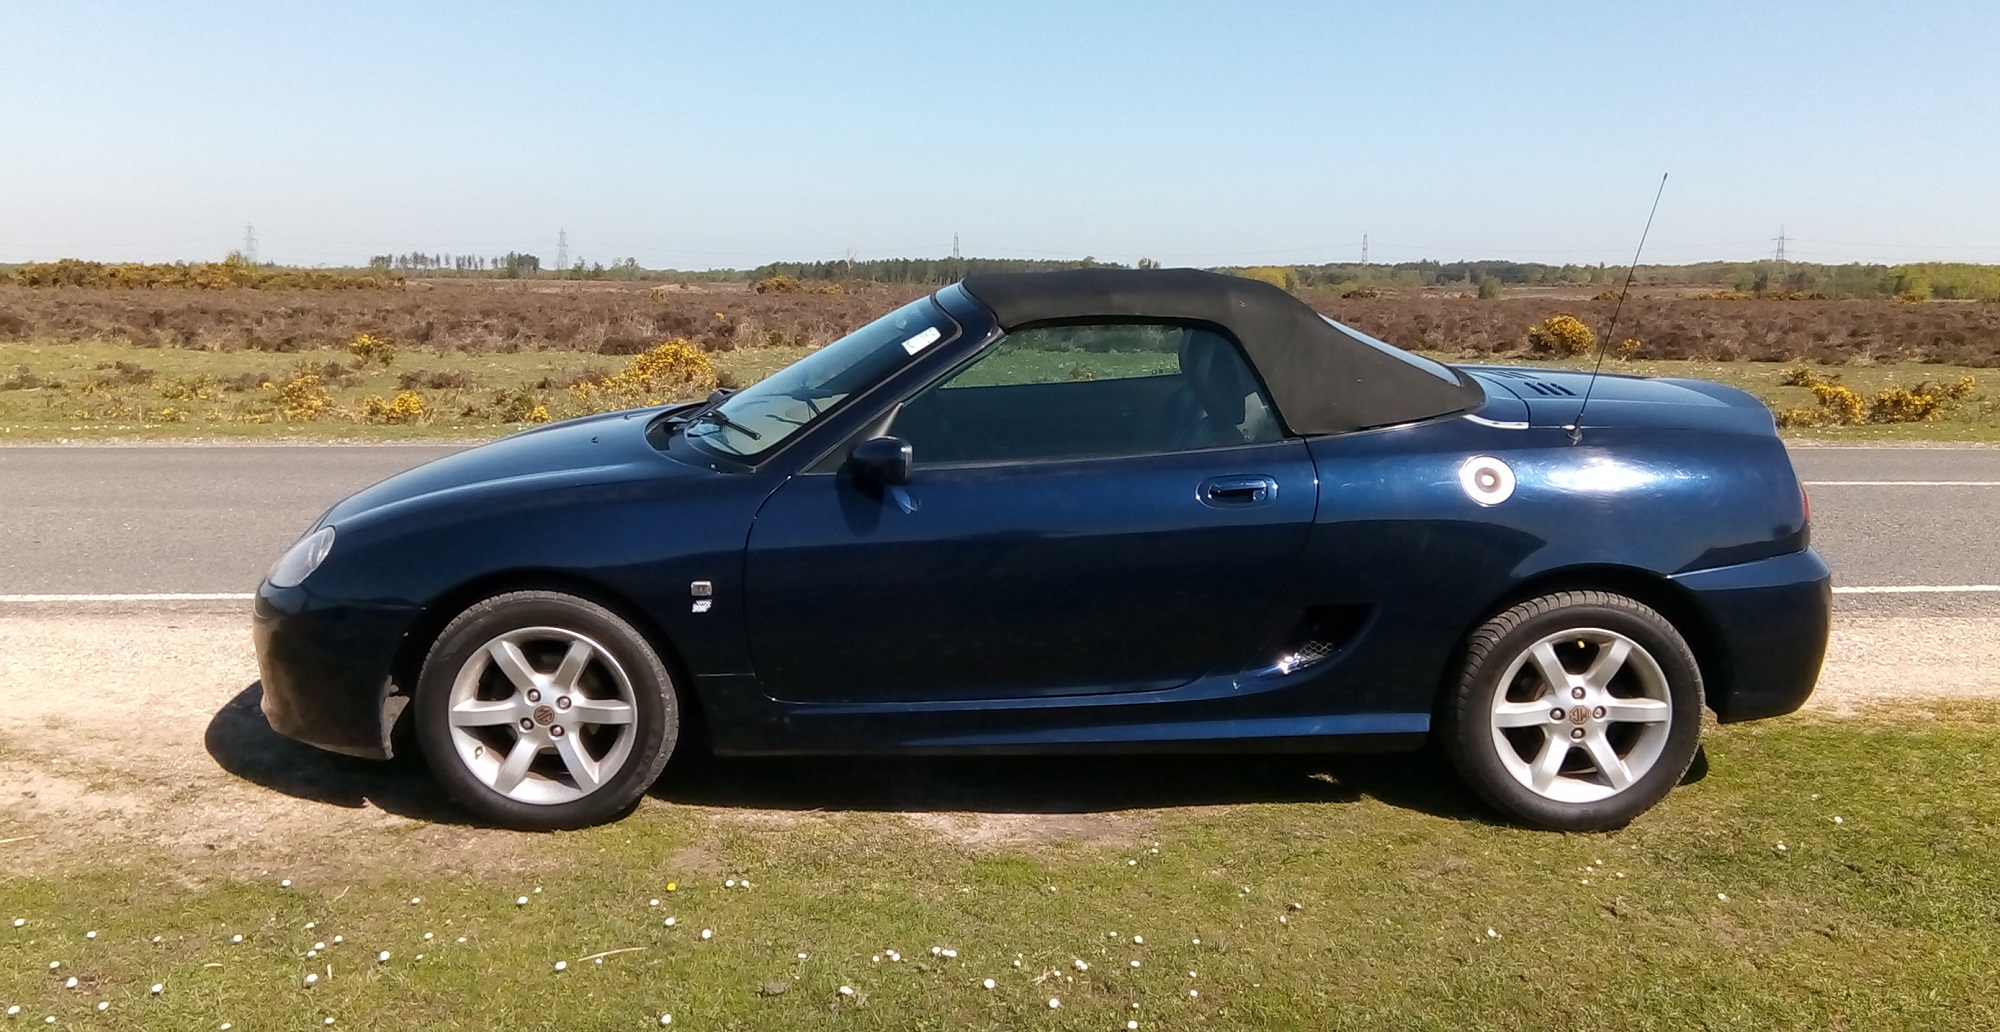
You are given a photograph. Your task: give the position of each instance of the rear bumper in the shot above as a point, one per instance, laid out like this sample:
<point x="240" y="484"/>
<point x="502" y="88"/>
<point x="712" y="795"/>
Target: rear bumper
<point x="1769" y="621"/>
<point x="325" y="669"/>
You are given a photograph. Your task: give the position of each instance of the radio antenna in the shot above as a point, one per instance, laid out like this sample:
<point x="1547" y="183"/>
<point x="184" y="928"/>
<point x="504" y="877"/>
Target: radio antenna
<point x="1575" y="427"/>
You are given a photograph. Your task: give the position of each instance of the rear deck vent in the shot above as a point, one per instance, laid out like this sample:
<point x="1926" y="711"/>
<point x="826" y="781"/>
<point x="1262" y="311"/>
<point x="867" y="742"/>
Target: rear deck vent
<point x="1541" y="387"/>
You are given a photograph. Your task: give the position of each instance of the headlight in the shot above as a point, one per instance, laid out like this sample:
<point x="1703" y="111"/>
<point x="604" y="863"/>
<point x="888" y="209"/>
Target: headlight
<point x="301" y="559"/>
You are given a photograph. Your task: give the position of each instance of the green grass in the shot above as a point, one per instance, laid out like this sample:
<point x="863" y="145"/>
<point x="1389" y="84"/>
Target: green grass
<point x="1886" y="919"/>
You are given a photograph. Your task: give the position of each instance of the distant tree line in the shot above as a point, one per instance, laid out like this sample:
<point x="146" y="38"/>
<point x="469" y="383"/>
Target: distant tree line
<point x="511" y="265"/>
<point x="924" y="270"/>
<point x="1946" y="280"/>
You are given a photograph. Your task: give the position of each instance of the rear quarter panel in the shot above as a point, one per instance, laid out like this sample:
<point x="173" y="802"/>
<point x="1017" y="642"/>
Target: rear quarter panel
<point x="1397" y="533"/>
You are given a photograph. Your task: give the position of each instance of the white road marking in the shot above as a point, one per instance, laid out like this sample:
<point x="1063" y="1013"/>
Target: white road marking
<point x="1901" y="483"/>
<point x="172" y="596"/>
<point x="1914" y="589"/>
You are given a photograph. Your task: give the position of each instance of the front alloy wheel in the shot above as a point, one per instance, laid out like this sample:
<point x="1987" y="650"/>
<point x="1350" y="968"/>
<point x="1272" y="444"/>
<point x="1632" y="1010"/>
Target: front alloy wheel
<point x="1576" y="711"/>
<point x="541" y="715"/>
<point x="540" y="710"/>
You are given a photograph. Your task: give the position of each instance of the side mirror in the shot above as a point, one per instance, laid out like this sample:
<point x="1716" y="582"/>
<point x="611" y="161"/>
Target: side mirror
<point x="884" y="460"/>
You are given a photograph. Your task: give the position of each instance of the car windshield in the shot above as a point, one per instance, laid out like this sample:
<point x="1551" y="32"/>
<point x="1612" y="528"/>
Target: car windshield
<point x="759" y="418"/>
<point x="1436" y="369"/>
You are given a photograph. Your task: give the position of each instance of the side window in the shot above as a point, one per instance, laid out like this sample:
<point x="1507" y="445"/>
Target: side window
<point x="1077" y="391"/>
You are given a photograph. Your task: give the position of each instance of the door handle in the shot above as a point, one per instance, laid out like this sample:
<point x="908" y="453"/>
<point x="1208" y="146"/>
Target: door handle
<point x="1235" y="492"/>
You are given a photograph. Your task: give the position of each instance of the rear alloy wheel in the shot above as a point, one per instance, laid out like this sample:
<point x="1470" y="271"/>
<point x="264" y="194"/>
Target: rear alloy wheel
<point x="1576" y="711"/>
<point x="539" y="710"/>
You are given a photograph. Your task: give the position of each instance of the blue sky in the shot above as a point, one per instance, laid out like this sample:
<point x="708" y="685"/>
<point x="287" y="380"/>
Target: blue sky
<point x="728" y="134"/>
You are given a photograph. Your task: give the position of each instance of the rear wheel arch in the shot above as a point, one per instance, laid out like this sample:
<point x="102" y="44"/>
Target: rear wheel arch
<point x="1650" y="589"/>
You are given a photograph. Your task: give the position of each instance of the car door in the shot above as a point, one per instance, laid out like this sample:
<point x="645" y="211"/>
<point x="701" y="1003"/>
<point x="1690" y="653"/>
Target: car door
<point x="1092" y="509"/>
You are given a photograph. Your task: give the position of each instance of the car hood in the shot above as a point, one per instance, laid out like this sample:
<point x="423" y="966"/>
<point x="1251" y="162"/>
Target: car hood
<point x="1554" y="397"/>
<point x="593" y="449"/>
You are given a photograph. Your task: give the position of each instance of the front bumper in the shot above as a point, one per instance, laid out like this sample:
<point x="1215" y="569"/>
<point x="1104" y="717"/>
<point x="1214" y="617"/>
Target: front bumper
<point x="1770" y="620"/>
<point x="326" y="669"/>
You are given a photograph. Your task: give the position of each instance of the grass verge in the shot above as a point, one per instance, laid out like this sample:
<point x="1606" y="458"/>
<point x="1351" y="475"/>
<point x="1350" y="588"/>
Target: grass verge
<point x="79" y="391"/>
<point x="1829" y="873"/>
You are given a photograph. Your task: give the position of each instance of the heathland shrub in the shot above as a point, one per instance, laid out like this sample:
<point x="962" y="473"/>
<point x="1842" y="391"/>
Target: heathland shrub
<point x="368" y="348"/>
<point x="200" y="387"/>
<point x="405" y="407"/>
<point x="777" y="285"/>
<point x="24" y="379"/>
<point x="520" y="406"/>
<point x="436" y="380"/>
<point x="231" y="272"/>
<point x="1276" y="275"/>
<point x="302" y="397"/>
<point x="112" y="375"/>
<point x="672" y="371"/>
<point x="1840" y="405"/>
<point x="1922" y="403"/>
<point x="1562" y="334"/>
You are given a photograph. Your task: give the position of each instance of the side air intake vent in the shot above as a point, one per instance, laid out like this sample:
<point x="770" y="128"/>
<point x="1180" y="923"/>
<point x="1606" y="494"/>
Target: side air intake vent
<point x="1321" y="635"/>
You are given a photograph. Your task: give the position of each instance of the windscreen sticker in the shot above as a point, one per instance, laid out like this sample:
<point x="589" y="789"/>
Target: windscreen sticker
<point x="922" y="340"/>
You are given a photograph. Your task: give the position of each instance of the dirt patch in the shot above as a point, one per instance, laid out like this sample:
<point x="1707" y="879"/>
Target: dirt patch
<point x="1878" y="660"/>
<point x="109" y="743"/>
<point x="982" y="832"/>
<point x="136" y="737"/>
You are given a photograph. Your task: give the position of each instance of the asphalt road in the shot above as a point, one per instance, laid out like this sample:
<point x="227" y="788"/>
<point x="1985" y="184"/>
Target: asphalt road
<point x="209" y="519"/>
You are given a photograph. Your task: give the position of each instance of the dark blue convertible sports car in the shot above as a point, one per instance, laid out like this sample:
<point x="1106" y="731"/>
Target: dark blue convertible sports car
<point x="1078" y="511"/>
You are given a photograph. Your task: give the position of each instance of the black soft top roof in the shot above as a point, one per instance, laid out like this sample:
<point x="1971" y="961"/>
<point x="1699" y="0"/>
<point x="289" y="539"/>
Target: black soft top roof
<point x="1323" y="380"/>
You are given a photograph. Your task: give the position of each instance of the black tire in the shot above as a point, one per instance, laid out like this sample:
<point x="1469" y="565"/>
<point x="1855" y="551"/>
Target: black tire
<point x="1474" y="742"/>
<point x="616" y="648"/>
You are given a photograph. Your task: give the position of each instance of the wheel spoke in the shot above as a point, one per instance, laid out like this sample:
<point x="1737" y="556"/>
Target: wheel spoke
<point x="1608" y="762"/>
<point x="1637" y="711"/>
<point x="573" y="664"/>
<point x="600" y="711"/>
<point x="1549" y="763"/>
<point x="1610" y="659"/>
<point x="1551" y="667"/>
<point x="1522" y="714"/>
<point x="515" y="766"/>
<point x="482" y="713"/>
<point x="581" y="766"/>
<point x="512" y="662"/>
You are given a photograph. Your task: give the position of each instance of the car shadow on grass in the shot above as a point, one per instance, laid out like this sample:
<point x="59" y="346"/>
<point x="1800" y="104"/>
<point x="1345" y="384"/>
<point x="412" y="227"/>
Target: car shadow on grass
<point x="241" y="742"/>
<point x="1067" y="784"/>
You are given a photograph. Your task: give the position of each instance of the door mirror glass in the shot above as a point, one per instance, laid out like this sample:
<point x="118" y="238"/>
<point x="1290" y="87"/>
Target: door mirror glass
<point x="883" y="460"/>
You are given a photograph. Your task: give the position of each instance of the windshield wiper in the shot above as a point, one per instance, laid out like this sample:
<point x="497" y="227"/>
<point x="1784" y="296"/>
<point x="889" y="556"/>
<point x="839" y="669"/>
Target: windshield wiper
<point x="714" y="415"/>
<point x="706" y="412"/>
<point x="715" y="397"/>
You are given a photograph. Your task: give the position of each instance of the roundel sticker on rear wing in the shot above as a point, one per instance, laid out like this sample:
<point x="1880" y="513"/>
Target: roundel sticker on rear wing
<point x="1486" y="480"/>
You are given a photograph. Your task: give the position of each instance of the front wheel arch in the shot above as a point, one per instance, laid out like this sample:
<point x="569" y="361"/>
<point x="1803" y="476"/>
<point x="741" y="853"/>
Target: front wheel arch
<point x="443" y="609"/>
